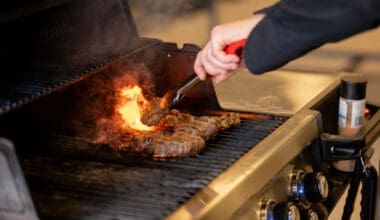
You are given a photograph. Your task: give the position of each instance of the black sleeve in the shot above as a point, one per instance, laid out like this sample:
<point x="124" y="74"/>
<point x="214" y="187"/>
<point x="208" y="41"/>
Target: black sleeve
<point x="293" y="27"/>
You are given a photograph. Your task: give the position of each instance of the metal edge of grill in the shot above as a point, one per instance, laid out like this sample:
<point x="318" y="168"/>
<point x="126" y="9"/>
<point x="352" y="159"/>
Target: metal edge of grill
<point x="234" y="186"/>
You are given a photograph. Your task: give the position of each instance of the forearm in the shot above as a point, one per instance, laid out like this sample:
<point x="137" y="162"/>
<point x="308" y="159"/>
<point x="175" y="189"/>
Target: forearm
<point x="293" y="27"/>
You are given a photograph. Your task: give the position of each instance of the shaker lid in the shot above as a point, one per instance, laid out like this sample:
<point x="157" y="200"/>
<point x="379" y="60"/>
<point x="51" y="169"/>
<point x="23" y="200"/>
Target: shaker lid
<point x="353" y="87"/>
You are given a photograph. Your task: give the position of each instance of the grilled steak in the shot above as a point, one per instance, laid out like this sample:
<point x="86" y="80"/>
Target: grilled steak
<point x="153" y="113"/>
<point x="168" y="144"/>
<point x="180" y="135"/>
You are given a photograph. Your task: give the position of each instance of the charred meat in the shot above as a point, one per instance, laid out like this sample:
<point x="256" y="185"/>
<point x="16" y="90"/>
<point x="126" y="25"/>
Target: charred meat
<point x="152" y="113"/>
<point x="180" y="135"/>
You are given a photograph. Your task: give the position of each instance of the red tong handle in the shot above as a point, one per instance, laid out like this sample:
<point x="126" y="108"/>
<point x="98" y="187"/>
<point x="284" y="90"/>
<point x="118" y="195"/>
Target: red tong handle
<point x="236" y="48"/>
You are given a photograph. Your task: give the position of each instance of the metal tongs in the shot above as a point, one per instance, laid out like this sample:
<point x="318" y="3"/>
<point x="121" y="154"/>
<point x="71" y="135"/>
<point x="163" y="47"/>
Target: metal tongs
<point x="173" y="96"/>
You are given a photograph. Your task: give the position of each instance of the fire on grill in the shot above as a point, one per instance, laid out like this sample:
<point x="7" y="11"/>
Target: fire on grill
<point x="177" y="134"/>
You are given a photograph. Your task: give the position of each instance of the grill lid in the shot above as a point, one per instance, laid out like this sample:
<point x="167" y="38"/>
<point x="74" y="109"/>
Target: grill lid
<point x="59" y="43"/>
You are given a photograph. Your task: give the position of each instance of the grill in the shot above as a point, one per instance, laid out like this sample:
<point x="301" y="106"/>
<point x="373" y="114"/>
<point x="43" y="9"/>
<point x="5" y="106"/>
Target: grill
<point x="63" y="63"/>
<point x="130" y="187"/>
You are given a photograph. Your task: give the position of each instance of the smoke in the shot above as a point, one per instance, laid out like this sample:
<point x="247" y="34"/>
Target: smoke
<point x="109" y="127"/>
<point x="153" y="15"/>
<point x="99" y="30"/>
<point x="93" y="109"/>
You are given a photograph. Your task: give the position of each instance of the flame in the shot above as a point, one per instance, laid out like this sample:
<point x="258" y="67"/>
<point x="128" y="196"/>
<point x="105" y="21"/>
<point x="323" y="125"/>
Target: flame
<point x="132" y="101"/>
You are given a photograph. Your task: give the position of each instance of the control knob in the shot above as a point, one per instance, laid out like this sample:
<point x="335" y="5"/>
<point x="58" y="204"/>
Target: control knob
<point x="308" y="188"/>
<point x="271" y="210"/>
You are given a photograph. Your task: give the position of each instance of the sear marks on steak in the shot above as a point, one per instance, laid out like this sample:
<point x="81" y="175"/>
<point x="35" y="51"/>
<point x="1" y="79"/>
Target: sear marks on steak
<point x="152" y="114"/>
<point x="163" y="144"/>
<point x="180" y="135"/>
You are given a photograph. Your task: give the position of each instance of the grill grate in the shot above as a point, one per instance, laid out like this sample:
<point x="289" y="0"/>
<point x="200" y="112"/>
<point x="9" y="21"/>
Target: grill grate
<point x="42" y="79"/>
<point x="133" y="187"/>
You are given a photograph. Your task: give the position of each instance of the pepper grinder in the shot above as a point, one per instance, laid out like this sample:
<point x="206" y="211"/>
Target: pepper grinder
<point x="351" y="112"/>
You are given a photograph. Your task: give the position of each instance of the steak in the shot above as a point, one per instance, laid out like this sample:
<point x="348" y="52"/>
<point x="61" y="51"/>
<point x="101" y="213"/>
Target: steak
<point x="179" y="135"/>
<point x="152" y="114"/>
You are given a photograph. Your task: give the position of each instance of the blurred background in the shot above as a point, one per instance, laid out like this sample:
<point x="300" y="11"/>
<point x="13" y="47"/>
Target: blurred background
<point x="190" y="21"/>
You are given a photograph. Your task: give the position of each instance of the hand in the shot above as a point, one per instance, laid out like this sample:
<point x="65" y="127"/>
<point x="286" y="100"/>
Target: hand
<point x="212" y="61"/>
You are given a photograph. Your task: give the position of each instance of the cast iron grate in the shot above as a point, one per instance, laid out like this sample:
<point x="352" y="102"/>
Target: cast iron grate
<point x="44" y="78"/>
<point x="132" y="187"/>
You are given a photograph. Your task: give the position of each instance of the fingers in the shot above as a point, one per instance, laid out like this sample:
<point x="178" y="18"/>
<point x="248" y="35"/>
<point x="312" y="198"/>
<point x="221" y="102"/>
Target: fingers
<point x="217" y="62"/>
<point x="212" y="62"/>
<point x="198" y="67"/>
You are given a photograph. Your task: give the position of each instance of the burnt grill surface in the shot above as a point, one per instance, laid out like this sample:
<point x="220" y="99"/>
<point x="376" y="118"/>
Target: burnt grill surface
<point x="127" y="187"/>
